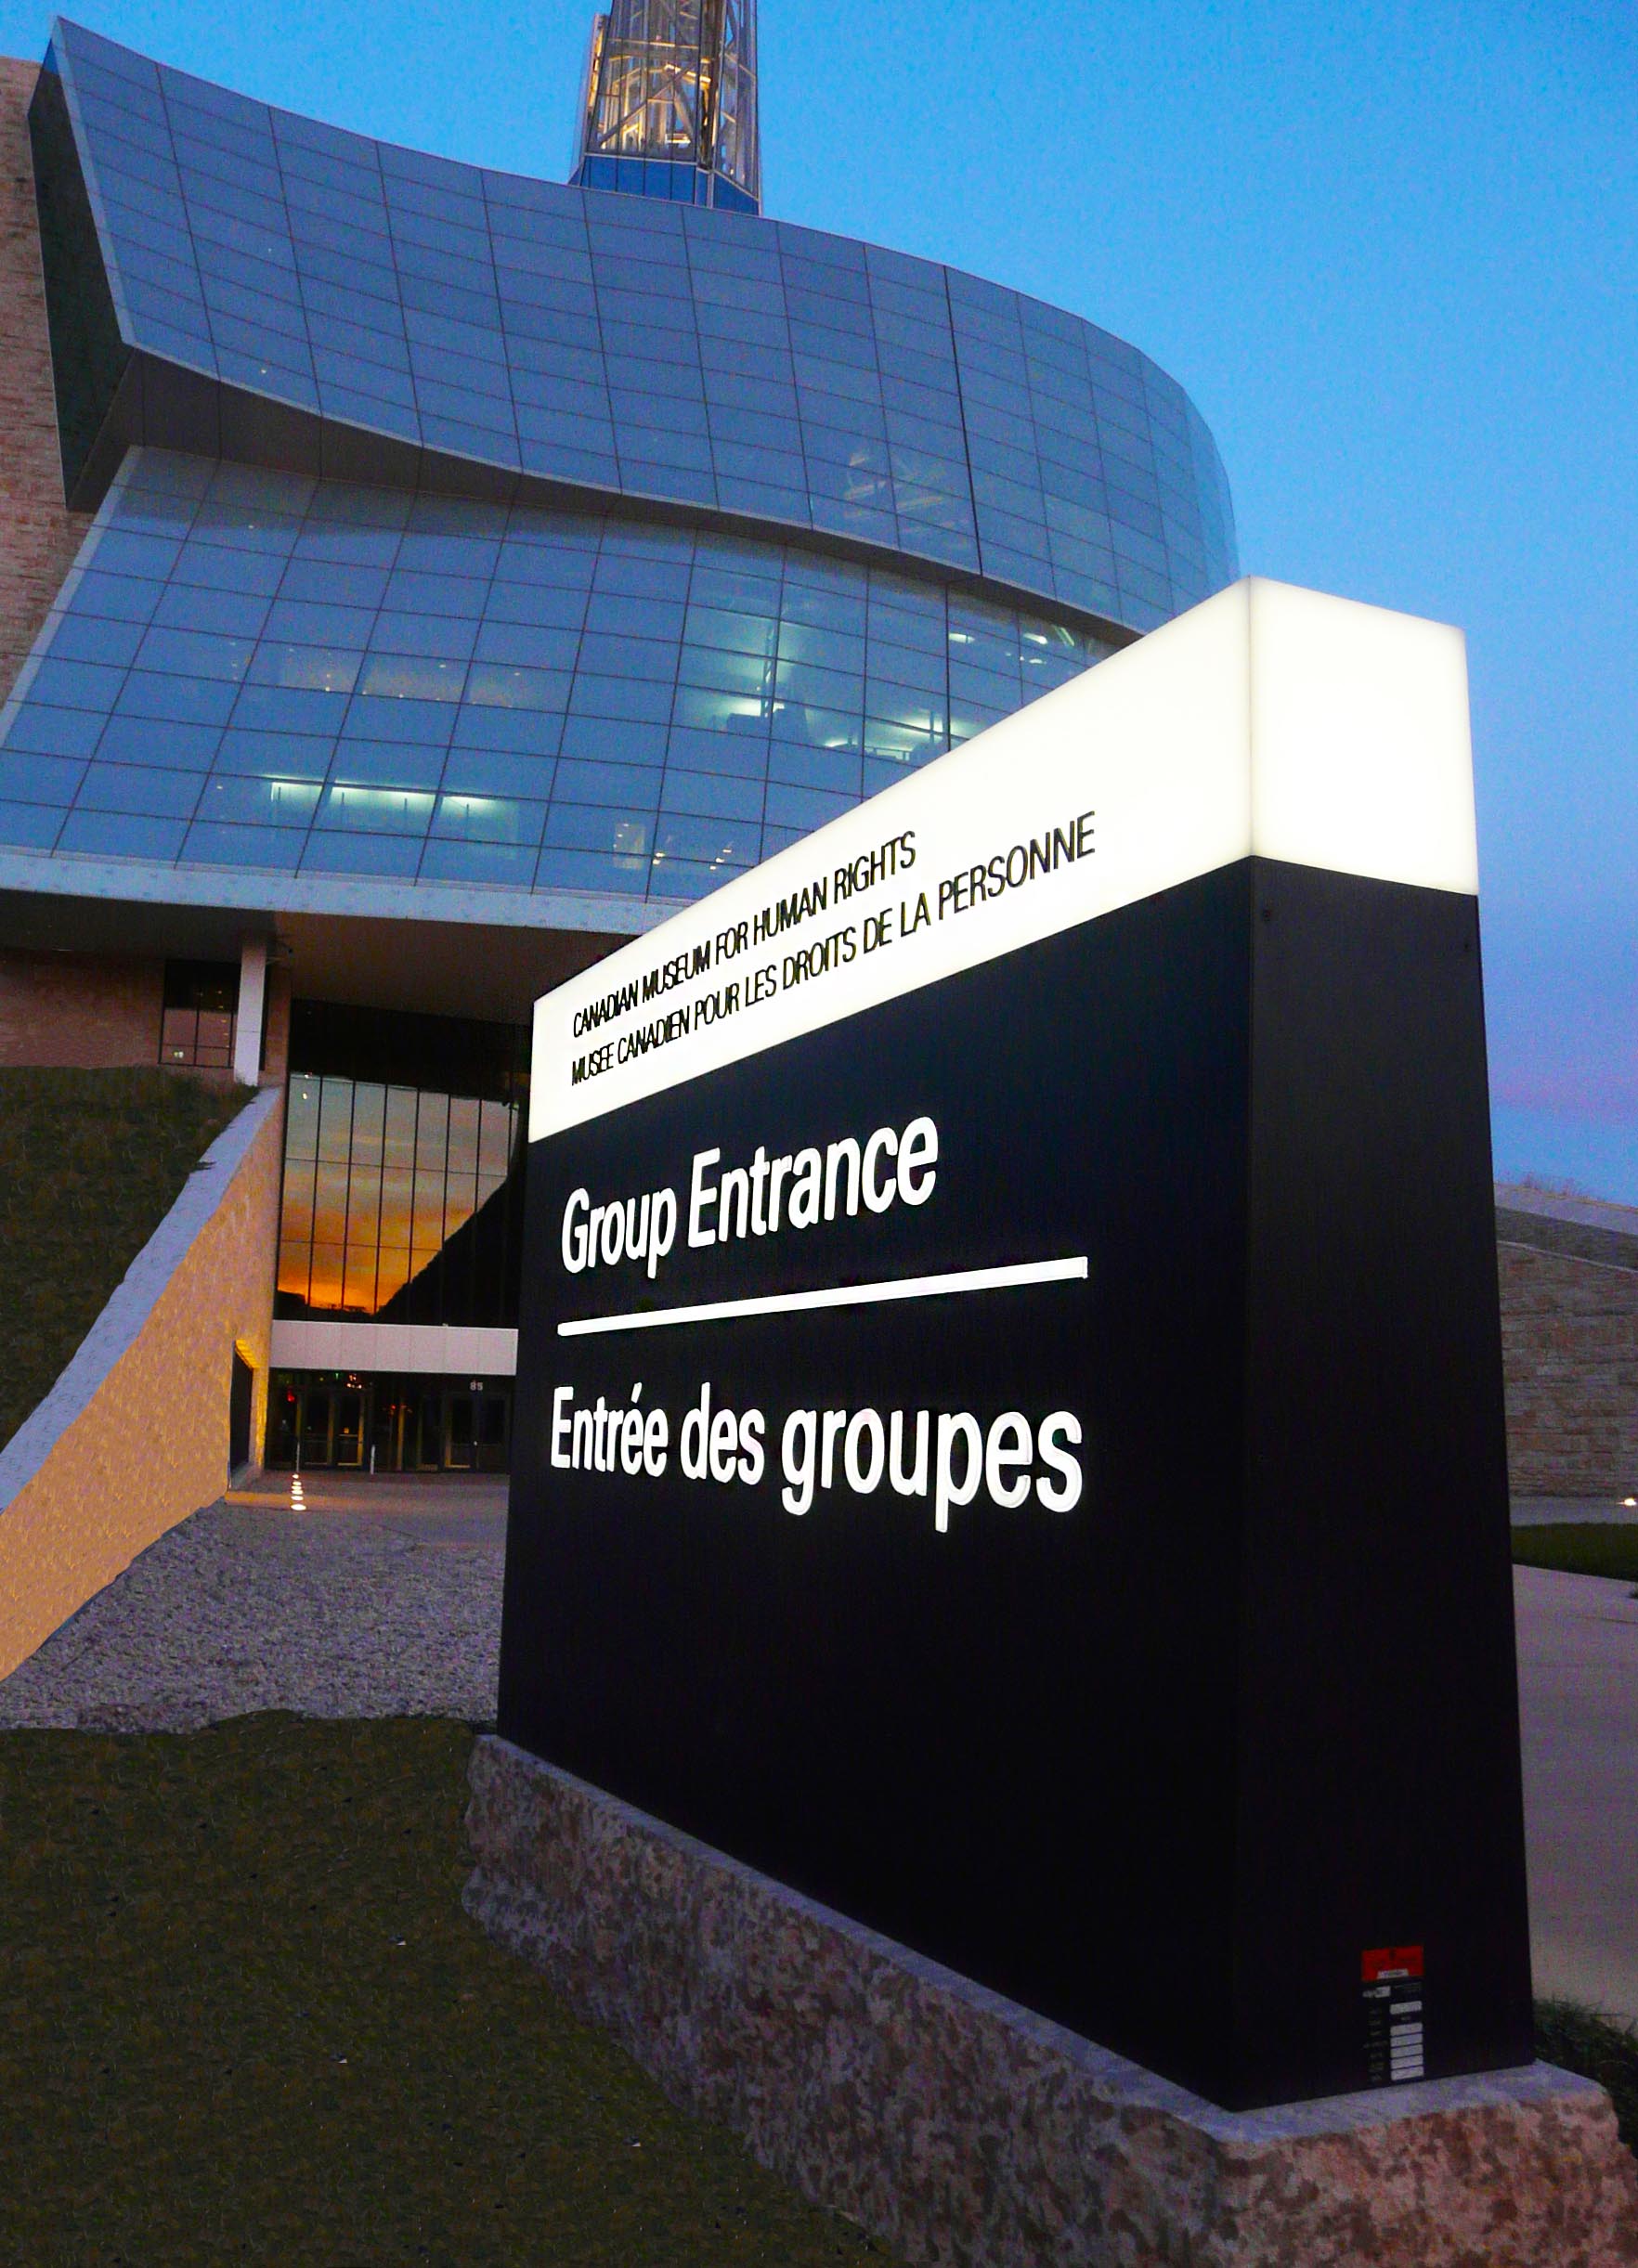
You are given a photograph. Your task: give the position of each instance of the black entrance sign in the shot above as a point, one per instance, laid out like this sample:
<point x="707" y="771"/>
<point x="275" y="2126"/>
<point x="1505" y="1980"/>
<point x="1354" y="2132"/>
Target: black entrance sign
<point x="1023" y="1463"/>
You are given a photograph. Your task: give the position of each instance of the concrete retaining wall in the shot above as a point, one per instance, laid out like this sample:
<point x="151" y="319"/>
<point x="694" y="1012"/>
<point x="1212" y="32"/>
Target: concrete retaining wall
<point x="134" y="1435"/>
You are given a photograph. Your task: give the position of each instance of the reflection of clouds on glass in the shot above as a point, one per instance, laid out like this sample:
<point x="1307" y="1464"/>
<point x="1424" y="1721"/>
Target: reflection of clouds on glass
<point x="377" y="1179"/>
<point x="630" y="841"/>
<point x="677" y="658"/>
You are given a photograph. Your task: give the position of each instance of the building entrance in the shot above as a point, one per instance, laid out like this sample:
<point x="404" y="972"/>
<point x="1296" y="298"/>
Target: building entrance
<point x="474" y="1433"/>
<point x="327" y="1424"/>
<point x="350" y="1421"/>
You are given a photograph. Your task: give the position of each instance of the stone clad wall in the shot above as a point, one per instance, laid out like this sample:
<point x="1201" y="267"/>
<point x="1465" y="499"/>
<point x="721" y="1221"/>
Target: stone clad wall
<point x="1569" y="1340"/>
<point x="133" y="1436"/>
<point x="961" y="2129"/>
<point x="38" y="535"/>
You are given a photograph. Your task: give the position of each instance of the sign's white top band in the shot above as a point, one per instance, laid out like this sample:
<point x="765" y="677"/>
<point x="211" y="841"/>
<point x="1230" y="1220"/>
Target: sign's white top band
<point x="1268" y="720"/>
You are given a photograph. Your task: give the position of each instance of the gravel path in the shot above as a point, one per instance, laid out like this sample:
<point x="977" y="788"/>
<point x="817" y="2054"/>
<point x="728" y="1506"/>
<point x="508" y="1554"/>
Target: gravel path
<point x="389" y="1611"/>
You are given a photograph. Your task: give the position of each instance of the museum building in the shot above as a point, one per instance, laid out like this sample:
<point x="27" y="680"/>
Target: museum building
<point x="421" y="579"/>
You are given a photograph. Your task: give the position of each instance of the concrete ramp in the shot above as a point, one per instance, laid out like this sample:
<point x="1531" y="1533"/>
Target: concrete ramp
<point x="133" y="1436"/>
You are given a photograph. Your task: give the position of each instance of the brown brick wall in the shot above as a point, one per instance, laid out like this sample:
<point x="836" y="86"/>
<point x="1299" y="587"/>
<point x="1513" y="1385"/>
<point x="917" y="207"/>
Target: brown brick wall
<point x="1569" y="1340"/>
<point x="38" y="535"/>
<point x="78" y="1010"/>
<point x="276" y="1037"/>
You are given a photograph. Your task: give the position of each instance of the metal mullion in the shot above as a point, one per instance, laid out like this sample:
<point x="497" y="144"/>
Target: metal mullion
<point x="347" y="1208"/>
<point x="444" y="1212"/>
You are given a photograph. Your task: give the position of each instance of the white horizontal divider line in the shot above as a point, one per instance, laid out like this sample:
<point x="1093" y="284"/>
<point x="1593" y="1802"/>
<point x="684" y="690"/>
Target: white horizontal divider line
<point x="840" y="1295"/>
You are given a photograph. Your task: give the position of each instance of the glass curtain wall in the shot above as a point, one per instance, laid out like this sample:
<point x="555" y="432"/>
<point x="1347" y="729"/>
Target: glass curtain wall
<point x="379" y="1182"/>
<point x="256" y="670"/>
<point x="402" y="1200"/>
<point x="660" y="349"/>
<point x="388" y="1423"/>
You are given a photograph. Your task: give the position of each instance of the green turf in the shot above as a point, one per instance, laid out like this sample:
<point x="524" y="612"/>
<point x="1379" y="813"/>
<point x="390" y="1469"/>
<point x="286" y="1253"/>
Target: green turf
<point x="242" y="2017"/>
<point x="1579" y="1547"/>
<point x="90" y="1163"/>
<point x="1578" y="2040"/>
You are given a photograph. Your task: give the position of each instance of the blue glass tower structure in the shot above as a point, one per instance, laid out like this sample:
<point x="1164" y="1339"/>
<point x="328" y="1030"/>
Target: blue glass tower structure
<point x="460" y="528"/>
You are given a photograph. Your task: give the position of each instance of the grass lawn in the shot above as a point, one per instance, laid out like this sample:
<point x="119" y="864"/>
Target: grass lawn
<point x="90" y="1163"/>
<point x="242" y="2017"/>
<point x="1578" y="2040"/>
<point x="1579" y="1547"/>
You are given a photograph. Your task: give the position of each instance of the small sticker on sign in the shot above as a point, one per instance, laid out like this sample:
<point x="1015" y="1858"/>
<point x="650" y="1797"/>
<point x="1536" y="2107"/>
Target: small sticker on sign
<point x="1393" y="1985"/>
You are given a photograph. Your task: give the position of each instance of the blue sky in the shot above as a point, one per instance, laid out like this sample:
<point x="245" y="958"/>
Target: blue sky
<point x="1392" y="252"/>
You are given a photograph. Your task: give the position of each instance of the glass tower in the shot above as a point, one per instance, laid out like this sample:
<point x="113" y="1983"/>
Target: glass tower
<point x="670" y="108"/>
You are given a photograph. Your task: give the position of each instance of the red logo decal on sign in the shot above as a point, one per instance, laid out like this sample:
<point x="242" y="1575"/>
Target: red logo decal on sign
<point x="1390" y="1961"/>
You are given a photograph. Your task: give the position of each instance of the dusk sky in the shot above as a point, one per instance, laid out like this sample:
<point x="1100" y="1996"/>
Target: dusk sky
<point x="1392" y="252"/>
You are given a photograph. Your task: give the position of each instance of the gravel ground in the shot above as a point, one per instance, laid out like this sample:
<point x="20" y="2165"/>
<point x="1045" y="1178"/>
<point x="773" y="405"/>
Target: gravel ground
<point x="389" y="1611"/>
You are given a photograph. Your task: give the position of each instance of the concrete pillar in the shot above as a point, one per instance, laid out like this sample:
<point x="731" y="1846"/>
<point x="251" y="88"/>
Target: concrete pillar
<point x="253" y="988"/>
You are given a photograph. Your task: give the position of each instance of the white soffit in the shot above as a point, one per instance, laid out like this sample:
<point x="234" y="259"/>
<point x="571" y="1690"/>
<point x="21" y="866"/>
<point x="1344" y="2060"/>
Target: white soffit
<point x="425" y="1348"/>
<point x="1270" y="720"/>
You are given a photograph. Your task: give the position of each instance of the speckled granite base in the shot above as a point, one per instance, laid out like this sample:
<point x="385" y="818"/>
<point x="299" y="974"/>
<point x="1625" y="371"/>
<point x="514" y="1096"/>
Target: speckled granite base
<point x="959" y="2128"/>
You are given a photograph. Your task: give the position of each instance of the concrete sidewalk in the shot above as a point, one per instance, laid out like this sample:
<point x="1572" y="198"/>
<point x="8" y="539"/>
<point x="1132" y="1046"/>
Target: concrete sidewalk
<point x="1578" y="1668"/>
<point x="454" y="1508"/>
<point x="1573" y="1512"/>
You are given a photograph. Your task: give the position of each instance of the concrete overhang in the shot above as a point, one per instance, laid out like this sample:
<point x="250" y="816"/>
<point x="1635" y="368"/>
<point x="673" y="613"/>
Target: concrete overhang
<point x="440" y="951"/>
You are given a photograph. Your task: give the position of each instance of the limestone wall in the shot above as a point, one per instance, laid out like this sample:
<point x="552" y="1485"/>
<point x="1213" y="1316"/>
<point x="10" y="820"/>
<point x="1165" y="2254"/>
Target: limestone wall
<point x="1569" y="1342"/>
<point x="133" y="1436"/>
<point x="38" y="535"/>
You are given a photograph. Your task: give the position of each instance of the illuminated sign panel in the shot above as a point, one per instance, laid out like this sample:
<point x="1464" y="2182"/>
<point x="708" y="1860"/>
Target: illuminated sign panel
<point x="1010" y="1427"/>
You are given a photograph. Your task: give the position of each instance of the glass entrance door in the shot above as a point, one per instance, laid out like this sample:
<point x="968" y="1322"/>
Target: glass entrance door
<point x="322" y="1421"/>
<point x="317" y="1426"/>
<point x="404" y="1424"/>
<point x="349" y="1425"/>
<point x="460" y="1431"/>
<point x="494" y="1411"/>
<point x="476" y="1428"/>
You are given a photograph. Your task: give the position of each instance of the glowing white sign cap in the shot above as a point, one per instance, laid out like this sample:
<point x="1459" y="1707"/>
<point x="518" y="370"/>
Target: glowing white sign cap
<point x="1358" y="740"/>
<point x="1270" y="720"/>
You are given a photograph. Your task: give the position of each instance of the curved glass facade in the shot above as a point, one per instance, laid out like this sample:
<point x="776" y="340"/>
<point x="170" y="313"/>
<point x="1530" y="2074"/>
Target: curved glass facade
<point x="458" y="528"/>
<point x="257" y="669"/>
<point x="620" y="343"/>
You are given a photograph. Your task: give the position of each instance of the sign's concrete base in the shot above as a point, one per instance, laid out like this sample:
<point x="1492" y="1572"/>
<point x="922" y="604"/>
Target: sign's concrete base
<point x="959" y="2128"/>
